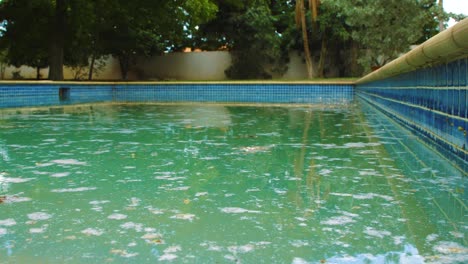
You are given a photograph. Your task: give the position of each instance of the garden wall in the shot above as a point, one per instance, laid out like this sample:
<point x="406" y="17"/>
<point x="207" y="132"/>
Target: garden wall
<point x="181" y="66"/>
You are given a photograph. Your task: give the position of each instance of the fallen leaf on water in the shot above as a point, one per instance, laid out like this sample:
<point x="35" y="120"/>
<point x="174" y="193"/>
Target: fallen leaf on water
<point x="186" y="201"/>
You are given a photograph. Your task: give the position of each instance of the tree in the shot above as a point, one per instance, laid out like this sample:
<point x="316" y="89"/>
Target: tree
<point x="71" y="32"/>
<point x="384" y="29"/>
<point x="143" y="27"/>
<point x="23" y="31"/>
<point x="57" y="43"/>
<point x="301" y="22"/>
<point x="255" y="44"/>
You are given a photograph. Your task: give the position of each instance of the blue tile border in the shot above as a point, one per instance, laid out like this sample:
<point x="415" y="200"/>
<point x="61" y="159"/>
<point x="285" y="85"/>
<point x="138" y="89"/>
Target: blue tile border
<point x="432" y="102"/>
<point x="27" y="95"/>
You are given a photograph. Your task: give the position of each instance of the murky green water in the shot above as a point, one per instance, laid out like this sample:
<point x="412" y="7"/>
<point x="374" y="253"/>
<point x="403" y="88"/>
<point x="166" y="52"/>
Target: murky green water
<point x="223" y="184"/>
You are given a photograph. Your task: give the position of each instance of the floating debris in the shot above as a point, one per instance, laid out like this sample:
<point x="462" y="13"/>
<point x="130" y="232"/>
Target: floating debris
<point x="69" y="162"/>
<point x="13" y="199"/>
<point x="92" y="232"/>
<point x="255" y="149"/>
<point x="117" y="216"/>
<point x="4" y="179"/>
<point x="237" y="210"/>
<point x="60" y="174"/>
<point x="189" y="217"/>
<point x="8" y="222"/>
<point x="338" y="220"/>
<point x="79" y="189"/>
<point x="39" y="216"/>
<point x="132" y="225"/>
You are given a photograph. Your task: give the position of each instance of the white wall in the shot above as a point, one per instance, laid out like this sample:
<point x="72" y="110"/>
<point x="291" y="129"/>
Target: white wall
<point x="195" y="66"/>
<point x="110" y="72"/>
<point x="189" y="66"/>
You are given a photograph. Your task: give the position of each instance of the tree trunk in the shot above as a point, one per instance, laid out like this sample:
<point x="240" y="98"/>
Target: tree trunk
<point x="323" y="55"/>
<point x="38" y="73"/>
<point x="354" y="56"/>
<point x="124" y="62"/>
<point x="57" y="43"/>
<point x="441" y="20"/>
<point x="305" y="40"/>
<point x="91" y="67"/>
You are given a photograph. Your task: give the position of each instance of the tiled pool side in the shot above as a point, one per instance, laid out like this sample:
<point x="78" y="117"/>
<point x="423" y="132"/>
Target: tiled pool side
<point x="431" y="101"/>
<point x="37" y="94"/>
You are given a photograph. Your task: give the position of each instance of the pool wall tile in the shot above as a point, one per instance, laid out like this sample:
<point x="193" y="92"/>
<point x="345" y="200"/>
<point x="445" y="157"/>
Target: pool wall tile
<point x="33" y="94"/>
<point x="431" y="101"/>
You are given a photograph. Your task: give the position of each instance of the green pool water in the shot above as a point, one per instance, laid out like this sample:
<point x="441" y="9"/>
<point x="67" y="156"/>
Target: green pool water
<point x="224" y="184"/>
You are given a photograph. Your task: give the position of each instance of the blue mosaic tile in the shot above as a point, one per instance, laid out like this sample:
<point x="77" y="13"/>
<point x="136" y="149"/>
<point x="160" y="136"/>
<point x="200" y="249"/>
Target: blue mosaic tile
<point x="431" y="101"/>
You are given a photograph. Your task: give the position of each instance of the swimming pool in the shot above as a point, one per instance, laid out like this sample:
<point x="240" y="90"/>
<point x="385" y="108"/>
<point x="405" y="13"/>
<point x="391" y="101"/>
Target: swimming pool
<point x="193" y="183"/>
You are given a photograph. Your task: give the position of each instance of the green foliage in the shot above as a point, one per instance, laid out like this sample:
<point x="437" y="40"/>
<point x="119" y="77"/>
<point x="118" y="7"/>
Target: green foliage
<point x="260" y="33"/>
<point x="255" y="44"/>
<point x="24" y="36"/>
<point x="383" y="28"/>
<point x="92" y="29"/>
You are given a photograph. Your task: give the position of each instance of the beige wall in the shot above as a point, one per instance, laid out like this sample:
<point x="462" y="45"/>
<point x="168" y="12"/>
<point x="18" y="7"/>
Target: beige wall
<point x="195" y="66"/>
<point x="110" y="72"/>
<point x="190" y="66"/>
<point x="208" y="65"/>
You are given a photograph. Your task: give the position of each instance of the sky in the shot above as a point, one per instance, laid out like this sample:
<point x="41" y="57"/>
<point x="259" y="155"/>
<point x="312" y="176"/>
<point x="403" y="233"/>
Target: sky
<point x="456" y="6"/>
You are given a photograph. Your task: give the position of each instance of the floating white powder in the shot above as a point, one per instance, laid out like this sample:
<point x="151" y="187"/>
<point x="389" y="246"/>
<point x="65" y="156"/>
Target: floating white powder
<point x="117" y="216"/>
<point x="39" y="216"/>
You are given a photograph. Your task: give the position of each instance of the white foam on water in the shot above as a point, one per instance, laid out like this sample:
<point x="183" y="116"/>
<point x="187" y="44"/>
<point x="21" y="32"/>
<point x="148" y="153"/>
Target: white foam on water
<point x="79" y="189"/>
<point x="99" y="202"/>
<point x="8" y="222"/>
<point x="376" y="233"/>
<point x="342" y="194"/>
<point x="92" y="232"/>
<point x="366" y="196"/>
<point x="280" y="191"/>
<point x="131" y="225"/>
<point x="37" y="216"/>
<point x="69" y="162"/>
<point x="325" y="172"/>
<point x="14" y="180"/>
<point x="4" y="154"/>
<point x="201" y="194"/>
<point x="117" y="216"/>
<point x="167" y="257"/>
<point x="182" y="188"/>
<point x="338" y="220"/>
<point x="17" y="199"/>
<point x="299" y="261"/>
<point x="169" y="178"/>
<point x="238" y="210"/>
<point x="3" y="231"/>
<point x="134" y="201"/>
<point x="398" y="240"/>
<point x="47" y="164"/>
<point x="151" y="236"/>
<point x="457" y="234"/>
<point x="155" y="211"/>
<point x="60" y="174"/>
<point x="360" y="145"/>
<point x="447" y="247"/>
<point x="241" y="249"/>
<point x="211" y="246"/>
<point x="173" y="249"/>
<point x="38" y="230"/>
<point x="189" y="217"/>
<point x="299" y="243"/>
